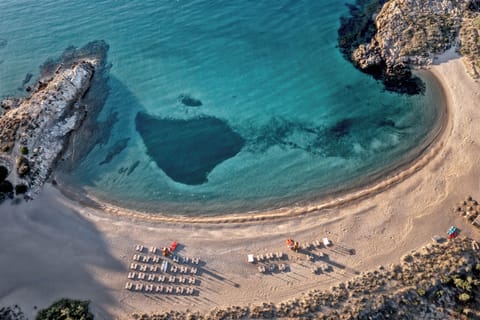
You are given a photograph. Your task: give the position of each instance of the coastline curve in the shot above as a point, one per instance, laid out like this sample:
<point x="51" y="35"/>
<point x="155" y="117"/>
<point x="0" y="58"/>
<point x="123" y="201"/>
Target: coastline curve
<point x="393" y="176"/>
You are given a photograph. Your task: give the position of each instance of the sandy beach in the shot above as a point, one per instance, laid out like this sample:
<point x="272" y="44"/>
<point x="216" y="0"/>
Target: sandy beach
<point x="55" y="247"/>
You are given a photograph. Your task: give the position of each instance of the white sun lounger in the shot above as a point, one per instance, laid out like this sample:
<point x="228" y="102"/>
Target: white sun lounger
<point x="326" y="242"/>
<point x="250" y="258"/>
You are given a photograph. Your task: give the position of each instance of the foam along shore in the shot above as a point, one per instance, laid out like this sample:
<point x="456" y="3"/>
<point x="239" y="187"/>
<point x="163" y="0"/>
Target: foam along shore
<point x="34" y="130"/>
<point x="63" y="248"/>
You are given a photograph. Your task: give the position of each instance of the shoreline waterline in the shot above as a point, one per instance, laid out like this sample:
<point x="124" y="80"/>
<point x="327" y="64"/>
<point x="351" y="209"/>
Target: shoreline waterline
<point x="367" y="186"/>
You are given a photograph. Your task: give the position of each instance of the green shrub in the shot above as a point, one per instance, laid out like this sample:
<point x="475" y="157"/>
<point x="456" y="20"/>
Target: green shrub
<point x="20" y="188"/>
<point x="421" y="292"/>
<point x="464" y="297"/>
<point x="66" y="309"/>
<point x="24" y="150"/>
<point x="6" y="186"/>
<point x="3" y="173"/>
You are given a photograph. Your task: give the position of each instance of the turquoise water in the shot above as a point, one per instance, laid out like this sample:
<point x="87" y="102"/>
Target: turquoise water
<point x="303" y="121"/>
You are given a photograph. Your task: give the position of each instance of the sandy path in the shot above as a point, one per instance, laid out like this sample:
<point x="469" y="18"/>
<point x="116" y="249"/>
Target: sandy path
<point x="54" y="247"/>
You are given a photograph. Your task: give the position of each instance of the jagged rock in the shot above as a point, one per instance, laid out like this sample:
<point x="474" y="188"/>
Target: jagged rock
<point x="407" y="33"/>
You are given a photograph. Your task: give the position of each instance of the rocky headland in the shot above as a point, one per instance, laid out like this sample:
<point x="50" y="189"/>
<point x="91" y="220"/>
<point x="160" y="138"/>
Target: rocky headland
<point x="35" y="130"/>
<point x="387" y="38"/>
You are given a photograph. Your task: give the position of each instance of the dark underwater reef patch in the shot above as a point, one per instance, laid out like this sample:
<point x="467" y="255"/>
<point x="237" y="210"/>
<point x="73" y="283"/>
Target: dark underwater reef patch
<point x="188" y="150"/>
<point x="335" y="140"/>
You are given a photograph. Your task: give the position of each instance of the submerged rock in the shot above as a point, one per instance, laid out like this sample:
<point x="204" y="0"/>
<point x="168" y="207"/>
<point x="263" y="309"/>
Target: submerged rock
<point x="189" y="101"/>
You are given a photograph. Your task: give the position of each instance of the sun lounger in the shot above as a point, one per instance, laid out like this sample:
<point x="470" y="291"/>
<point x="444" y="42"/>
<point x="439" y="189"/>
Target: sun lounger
<point x="179" y="290"/>
<point x="475" y="245"/>
<point x="192" y="280"/>
<point x="282" y="267"/>
<point x="193" y="270"/>
<point x="131" y="275"/>
<point x="128" y="286"/>
<point x="171" y="279"/>
<point x="317" y="243"/>
<point x="143" y="267"/>
<point x="139" y="248"/>
<point x="153" y="268"/>
<point x="153" y="250"/>
<point x="141" y="276"/>
<point x="133" y="266"/>
<point x="189" y="291"/>
<point x="159" y="289"/>
<point x="151" y="277"/>
<point x="156" y="259"/>
<point x="326" y="242"/>
<point x="161" y="278"/>
<point x="138" y="286"/>
<point x="262" y="269"/>
<point x="164" y="266"/>
<point x="185" y="260"/>
<point x="195" y="260"/>
<point x="136" y="257"/>
<point x="173" y="269"/>
<point x="181" y="279"/>
<point x="250" y="258"/>
<point x="169" y="289"/>
<point x="279" y="255"/>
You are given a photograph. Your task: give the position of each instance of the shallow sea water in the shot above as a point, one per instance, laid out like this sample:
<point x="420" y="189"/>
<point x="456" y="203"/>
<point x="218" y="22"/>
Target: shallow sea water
<point x="292" y="120"/>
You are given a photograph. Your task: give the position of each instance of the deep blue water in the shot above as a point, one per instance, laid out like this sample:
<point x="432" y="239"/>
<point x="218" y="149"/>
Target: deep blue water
<point x="276" y="115"/>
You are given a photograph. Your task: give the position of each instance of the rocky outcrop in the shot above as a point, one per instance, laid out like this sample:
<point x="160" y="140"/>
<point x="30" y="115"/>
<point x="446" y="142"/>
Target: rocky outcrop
<point x="407" y="33"/>
<point x="43" y="122"/>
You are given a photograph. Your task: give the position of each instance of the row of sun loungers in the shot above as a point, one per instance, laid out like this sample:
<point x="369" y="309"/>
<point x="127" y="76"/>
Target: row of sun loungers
<point x="321" y="268"/>
<point x="163" y="268"/>
<point x="161" y="278"/>
<point x="156" y="259"/>
<point x="270" y="256"/>
<point x="272" y="268"/>
<point x="139" y="287"/>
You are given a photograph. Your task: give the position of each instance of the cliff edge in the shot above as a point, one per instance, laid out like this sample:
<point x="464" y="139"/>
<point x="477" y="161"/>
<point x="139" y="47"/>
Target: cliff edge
<point x="393" y="36"/>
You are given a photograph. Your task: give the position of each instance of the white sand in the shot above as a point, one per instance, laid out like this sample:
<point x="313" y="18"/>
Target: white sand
<point x="53" y="247"/>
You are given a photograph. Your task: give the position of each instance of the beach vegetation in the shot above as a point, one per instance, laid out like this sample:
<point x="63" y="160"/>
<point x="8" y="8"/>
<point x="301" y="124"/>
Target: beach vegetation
<point x="66" y="309"/>
<point x="6" y="187"/>
<point x="464" y="297"/>
<point x="24" y="150"/>
<point x="421" y="292"/>
<point x="476" y="22"/>
<point x="3" y="173"/>
<point x="20" y="188"/>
